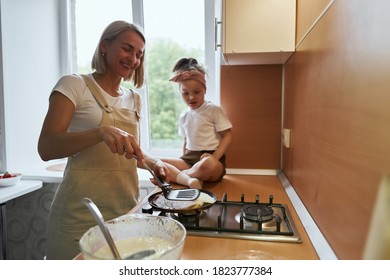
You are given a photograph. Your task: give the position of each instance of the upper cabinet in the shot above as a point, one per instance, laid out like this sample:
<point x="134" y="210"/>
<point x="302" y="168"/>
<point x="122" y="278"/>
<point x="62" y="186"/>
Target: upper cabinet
<point x="258" y="31"/>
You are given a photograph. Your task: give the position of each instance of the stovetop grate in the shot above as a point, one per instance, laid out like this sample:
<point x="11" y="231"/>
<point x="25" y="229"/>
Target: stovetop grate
<point x="239" y="229"/>
<point x="226" y="219"/>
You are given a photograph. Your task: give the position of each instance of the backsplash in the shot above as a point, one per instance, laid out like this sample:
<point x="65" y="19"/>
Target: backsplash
<point x="252" y="98"/>
<point x="337" y="106"/>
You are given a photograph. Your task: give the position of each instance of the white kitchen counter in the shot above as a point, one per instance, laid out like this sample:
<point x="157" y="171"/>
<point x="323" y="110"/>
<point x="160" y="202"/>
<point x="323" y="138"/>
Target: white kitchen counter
<point x="23" y="187"/>
<point x="52" y="172"/>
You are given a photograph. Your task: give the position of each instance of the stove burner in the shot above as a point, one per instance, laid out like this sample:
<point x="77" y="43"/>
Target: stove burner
<point x="191" y="214"/>
<point x="257" y="212"/>
<point x="187" y="219"/>
<point x="247" y="224"/>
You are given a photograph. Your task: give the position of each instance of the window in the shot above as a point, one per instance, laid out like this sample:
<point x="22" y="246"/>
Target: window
<point x="180" y="34"/>
<point x="173" y="29"/>
<point x="70" y="30"/>
<point x="90" y="18"/>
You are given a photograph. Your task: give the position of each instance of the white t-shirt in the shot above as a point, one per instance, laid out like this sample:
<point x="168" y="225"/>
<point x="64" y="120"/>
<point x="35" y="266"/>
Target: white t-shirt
<point x="202" y="125"/>
<point x="88" y="112"/>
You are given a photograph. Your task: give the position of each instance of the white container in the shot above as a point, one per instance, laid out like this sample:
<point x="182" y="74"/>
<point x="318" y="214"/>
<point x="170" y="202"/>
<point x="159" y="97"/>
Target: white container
<point x="6" y="182"/>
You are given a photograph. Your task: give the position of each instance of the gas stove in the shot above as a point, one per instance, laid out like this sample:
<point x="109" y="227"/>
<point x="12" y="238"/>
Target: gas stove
<point x="255" y="220"/>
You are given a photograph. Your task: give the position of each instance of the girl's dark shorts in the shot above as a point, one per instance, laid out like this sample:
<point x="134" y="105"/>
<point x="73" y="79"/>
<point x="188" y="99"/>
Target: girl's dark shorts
<point x="192" y="157"/>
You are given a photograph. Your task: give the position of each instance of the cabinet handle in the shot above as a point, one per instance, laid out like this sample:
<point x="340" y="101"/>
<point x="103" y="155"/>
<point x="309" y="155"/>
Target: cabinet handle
<point x="216" y="45"/>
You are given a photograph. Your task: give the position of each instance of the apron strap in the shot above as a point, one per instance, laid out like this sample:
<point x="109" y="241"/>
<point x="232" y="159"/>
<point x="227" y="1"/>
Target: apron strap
<point x="96" y="93"/>
<point x="137" y="103"/>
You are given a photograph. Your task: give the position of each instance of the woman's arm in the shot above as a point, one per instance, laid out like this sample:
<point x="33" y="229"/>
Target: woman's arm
<point x="56" y="142"/>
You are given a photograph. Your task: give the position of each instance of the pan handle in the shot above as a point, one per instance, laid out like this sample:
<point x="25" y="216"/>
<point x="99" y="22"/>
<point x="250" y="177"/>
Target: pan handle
<point x="165" y="187"/>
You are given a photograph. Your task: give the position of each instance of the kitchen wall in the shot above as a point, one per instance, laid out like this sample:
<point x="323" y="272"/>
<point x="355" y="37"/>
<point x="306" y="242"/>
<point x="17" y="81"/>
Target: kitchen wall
<point x="337" y="97"/>
<point x="28" y="75"/>
<point x="252" y="98"/>
<point x="336" y="101"/>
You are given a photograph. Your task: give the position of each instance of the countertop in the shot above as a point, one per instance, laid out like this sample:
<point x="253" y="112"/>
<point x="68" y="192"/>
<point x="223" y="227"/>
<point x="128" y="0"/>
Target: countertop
<point x="216" y="248"/>
<point x="21" y="188"/>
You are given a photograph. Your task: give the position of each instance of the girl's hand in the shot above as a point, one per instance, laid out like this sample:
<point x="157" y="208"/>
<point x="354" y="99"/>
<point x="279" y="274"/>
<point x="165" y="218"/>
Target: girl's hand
<point x="205" y="155"/>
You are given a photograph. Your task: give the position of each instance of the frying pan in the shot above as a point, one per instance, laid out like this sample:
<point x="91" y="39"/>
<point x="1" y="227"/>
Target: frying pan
<point x="169" y="193"/>
<point x="160" y="203"/>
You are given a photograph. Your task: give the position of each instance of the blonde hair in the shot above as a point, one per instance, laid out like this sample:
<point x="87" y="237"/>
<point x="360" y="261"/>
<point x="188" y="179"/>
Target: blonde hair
<point x="109" y="34"/>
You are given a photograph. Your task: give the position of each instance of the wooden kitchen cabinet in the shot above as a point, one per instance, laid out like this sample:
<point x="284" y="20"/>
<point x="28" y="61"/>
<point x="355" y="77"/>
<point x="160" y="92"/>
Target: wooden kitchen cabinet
<point x="258" y="31"/>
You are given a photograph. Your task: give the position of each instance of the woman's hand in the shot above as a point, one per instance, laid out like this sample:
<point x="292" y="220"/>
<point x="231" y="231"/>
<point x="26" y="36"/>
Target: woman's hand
<point x="121" y="142"/>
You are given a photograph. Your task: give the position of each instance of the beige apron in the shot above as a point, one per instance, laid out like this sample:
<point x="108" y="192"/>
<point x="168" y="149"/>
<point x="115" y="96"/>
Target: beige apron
<point x="110" y="180"/>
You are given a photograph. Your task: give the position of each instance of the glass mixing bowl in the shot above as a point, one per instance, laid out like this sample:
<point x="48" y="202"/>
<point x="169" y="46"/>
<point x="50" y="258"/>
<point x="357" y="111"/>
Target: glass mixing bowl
<point x="133" y="233"/>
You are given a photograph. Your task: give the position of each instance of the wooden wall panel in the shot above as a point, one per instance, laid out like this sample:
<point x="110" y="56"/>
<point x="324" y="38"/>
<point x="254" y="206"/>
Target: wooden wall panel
<point x="337" y="103"/>
<point x="307" y="13"/>
<point x="252" y="98"/>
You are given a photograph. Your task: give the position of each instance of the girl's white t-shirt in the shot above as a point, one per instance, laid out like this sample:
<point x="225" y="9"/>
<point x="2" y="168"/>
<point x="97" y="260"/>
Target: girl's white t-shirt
<point x="201" y="126"/>
<point x="88" y="113"/>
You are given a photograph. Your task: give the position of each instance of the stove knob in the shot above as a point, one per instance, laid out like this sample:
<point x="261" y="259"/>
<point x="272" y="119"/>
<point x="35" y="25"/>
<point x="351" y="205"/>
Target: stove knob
<point x="147" y="209"/>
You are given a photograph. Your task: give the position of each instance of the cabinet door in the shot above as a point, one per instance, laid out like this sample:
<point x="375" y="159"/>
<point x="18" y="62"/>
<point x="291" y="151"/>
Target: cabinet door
<point x="259" y="30"/>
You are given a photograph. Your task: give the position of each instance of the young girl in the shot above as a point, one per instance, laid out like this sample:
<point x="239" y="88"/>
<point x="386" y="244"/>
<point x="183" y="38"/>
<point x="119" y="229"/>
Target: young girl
<point x="205" y="127"/>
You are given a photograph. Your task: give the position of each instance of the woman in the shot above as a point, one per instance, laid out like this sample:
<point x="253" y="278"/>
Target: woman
<point x="94" y="121"/>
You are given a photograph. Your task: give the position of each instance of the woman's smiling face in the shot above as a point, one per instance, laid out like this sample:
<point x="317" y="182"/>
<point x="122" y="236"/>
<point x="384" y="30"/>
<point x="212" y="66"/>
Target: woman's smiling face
<point x="124" y="53"/>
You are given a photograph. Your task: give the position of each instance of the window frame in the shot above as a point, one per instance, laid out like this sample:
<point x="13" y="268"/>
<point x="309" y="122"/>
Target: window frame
<point x="211" y="60"/>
